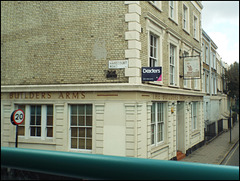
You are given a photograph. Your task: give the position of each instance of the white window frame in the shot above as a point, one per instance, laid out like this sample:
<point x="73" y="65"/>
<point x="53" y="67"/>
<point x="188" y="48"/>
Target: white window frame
<point x="43" y="126"/>
<point x="173" y="11"/>
<point x="70" y="131"/>
<point x="207" y="55"/>
<point x="203" y="52"/>
<point x="157" y="4"/>
<point x="172" y="62"/>
<point x="185" y="17"/>
<point x="204" y="85"/>
<point x="158" y="122"/>
<point x="207" y="82"/>
<point x="153" y="28"/>
<point x="195" y="27"/>
<point x="154" y="50"/>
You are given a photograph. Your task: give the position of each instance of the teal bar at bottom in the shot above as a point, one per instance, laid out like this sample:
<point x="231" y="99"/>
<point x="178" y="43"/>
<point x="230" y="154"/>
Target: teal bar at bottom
<point x="92" y="166"/>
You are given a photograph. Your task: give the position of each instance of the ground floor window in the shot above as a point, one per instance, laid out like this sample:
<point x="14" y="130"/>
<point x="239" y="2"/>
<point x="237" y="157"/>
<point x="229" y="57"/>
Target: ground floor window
<point x="38" y="121"/>
<point x="157" y="123"/>
<point x="81" y="126"/>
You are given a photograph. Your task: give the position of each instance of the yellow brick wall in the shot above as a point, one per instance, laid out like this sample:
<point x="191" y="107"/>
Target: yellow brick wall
<point x="164" y="17"/>
<point x="61" y="42"/>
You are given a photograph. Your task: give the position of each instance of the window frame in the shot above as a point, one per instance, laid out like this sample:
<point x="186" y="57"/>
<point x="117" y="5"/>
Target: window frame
<point x="195" y="27"/>
<point x="185" y="18"/>
<point x="27" y="122"/>
<point x="155" y="50"/>
<point x="78" y="128"/>
<point x="158" y="111"/>
<point x="173" y="11"/>
<point x="172" y="63"/>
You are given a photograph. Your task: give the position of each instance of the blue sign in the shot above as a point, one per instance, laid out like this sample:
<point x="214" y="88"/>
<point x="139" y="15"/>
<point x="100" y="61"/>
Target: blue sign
<point x="151" y="73"/>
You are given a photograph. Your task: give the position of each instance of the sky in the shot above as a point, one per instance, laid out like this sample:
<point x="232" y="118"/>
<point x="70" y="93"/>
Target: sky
<point x="220" y="20"/>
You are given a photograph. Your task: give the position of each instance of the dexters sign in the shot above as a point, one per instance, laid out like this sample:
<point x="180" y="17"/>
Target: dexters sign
<point x="151" y="73"/>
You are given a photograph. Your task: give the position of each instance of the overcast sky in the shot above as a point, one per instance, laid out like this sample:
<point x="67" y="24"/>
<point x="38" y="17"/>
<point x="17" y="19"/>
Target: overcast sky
<point x="220" y="20"/>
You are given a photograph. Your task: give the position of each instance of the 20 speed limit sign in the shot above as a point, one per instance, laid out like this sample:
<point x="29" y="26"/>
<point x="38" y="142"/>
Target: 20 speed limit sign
<point x="17" y="117"/>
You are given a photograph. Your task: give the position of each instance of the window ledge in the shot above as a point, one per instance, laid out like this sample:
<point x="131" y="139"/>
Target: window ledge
<point x="24" y="140"/>
<point x="173" y="20"/>
<point x="154" y="5"/>
<point x="186" y="31"/>
<point x="158" y="147"/>
<point x="195" y="39"/>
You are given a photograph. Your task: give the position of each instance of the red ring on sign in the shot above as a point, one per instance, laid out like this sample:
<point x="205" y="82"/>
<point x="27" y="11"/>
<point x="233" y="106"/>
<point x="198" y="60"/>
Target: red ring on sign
<point x="14" y="116"/>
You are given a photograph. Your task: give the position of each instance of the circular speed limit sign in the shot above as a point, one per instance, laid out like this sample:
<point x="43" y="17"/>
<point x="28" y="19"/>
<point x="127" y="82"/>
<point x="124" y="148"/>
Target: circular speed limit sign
<point x="17" y="117"/>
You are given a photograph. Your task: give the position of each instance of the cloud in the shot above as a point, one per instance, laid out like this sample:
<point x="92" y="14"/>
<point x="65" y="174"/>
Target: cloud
<point x="228" y="51"/>
<point x="220" y="20"/>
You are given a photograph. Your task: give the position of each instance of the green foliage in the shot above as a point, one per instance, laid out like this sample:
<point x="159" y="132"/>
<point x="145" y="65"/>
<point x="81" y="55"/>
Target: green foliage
<point x="232" y="76"/>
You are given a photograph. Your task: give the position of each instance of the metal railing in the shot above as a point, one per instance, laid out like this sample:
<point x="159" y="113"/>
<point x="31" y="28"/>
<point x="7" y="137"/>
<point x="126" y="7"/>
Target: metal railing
<point x="92" y="166"/>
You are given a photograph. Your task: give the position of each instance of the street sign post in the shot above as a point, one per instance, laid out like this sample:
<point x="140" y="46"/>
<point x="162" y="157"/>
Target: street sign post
<point x="17" y="117"/>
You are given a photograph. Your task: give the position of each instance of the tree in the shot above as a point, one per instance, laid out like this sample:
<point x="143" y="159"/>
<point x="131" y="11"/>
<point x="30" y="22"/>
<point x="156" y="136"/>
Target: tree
<point x="232" y="76"/>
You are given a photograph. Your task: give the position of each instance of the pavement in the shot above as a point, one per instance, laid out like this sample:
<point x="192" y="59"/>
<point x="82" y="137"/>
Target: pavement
<point x="216" y="150"/>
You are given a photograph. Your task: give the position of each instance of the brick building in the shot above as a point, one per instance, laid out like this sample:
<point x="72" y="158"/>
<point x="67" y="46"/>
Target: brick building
<point x="75" y="70"/>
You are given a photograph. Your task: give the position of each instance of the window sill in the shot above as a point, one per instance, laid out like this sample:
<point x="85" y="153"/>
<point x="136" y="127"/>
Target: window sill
<point x="158" y="147"/>
<point x="196" y="39"/>
<point x="173" y="86"/>
<point x="154" y="5"/>
<point x="46" y="141"/>
<point x="186" y="31"/>
<point x="173" y="20"/>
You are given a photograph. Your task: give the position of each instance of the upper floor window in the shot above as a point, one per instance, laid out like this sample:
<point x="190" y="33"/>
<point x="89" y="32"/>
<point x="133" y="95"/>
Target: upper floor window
<point x="195" y="28"/>
<point x="173" y="11"/>
<point x="157" y="4"/>
<point x="38" y="121"/>
<point x="172" y="64"/>
<point x="207" y="55"/>
<point x="153" y="58"/>
<point x="203" y="52"/>
<point x="185" y="18"/>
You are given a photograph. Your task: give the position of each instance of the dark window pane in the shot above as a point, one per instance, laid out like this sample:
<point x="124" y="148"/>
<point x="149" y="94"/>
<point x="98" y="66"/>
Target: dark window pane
<point x="38" y="131"/>
<point x="89" y="109"/>
<point x="73" y="120"/>
<point x="32" y="122"/>
<point x="81" y="143"/>
<point x="81" y="109"/>
<point x="81" y="132"/>
<point x="89" y="132"/>
<point x="50" y="120"/>
<point x="32" y="131"/>
<point x="81" y="121"/>
<point x="74" y="132"/>
<point x="38" y="110"/>
<point x="89" y="144"/>
<point x="73" y="109"/>
<point x="50" y="132"/>
<point x="89" y="121"/>
<point x="32" y="110"/>
<point x="49" y="110"/>
<point x="38" y="122"/>
<point x="74" y="143"/>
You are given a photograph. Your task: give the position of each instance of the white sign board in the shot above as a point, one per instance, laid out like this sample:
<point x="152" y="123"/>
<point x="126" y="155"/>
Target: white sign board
<point x="192" y="67"/>
<point x="118" y="64"/>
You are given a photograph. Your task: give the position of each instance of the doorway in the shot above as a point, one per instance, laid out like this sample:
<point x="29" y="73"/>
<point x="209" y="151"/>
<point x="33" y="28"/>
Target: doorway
<point x="180" y="140"/>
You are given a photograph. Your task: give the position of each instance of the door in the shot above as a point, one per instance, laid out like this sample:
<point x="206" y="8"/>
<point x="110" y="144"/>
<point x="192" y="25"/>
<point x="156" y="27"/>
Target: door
<point x="180" y="127"/>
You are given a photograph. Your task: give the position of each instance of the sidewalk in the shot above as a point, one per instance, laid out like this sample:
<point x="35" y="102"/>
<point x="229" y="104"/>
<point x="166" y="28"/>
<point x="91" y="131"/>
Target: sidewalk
<point x="215" y="151"/>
